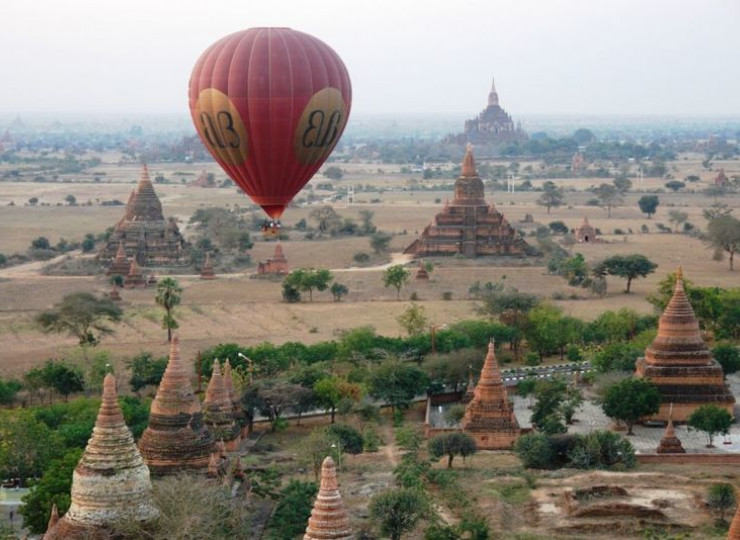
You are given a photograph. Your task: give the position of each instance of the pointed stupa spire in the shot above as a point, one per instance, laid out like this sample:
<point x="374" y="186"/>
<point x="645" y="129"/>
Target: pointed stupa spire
<point x="176" y="438"/>
<point x="120" y="265"/>
<point x="489" y="417"/>
<point x="328" y="519"/>
<point x="218" y="409"/>
<point x="110" y="484"/>
<point x="229" y="381"/>
<point x="468" y="164"/>
<point x="493" y="95"/>
<point x="145" y="205"/>
<point x="206" y="271"/>
<point x="670" y="443"/>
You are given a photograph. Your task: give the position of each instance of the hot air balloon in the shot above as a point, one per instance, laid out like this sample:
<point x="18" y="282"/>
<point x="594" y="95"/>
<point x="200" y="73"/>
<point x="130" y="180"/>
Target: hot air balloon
<point x="270" y="104"/>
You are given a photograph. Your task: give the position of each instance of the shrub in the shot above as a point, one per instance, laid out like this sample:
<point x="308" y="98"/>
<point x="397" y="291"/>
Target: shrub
<point x="350" y="438"/>
<point x="361" y="257"/>
<point x="292" y="511"/>
<point x="535" y="451"/>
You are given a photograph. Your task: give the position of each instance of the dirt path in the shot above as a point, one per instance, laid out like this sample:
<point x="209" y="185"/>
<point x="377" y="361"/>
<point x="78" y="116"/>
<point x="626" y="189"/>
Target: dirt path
<point x="33" y="269"/>
<point x="390" y="449"/>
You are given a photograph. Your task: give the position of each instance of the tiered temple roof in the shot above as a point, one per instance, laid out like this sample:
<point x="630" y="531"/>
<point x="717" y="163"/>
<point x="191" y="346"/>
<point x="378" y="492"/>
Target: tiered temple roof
<point x="328" y="519"/>
<point x="110" y="485"/>
<point x="492" y="126"/>
<point x="489" y="417"/>
<point x="277" y="264"/>
<point x="145" y="233"/>
<point x="468" y="225"/>
<point x="206" y="271"/>
<point x="681" y="365"/>
<point x="218" y="409"/>
<point x="176" y="438"/>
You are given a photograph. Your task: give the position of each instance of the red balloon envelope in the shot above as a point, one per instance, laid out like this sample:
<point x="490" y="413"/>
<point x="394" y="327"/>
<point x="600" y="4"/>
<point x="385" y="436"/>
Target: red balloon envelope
<point x="270" y="105"/>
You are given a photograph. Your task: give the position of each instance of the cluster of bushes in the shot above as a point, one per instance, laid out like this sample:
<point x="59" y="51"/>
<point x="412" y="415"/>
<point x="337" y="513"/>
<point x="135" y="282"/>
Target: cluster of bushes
<point x="596" y="450"/>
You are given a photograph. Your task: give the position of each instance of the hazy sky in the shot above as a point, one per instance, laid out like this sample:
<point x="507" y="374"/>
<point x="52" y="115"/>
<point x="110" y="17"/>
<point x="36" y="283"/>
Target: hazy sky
<point x="421" y="56"/>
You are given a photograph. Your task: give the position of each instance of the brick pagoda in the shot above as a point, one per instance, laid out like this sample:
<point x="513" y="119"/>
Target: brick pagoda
<point x="134" y="278"/>
<point x="206" y="271"/>
<point x="489" y="417"/>
<point x="681" y="365"/>
<point x="235" y="398"/>
<point x="328" y="519"/>
<point x="177" y="438"/>
<point x="670" y="443"/>
<point x="110" y="484"/>
<point x="468" y="225"/>
<point x="218" y="410"/>
<point x="276" y="265"/>
<point x="585" y="233"/>
<point x="145" y="233"/>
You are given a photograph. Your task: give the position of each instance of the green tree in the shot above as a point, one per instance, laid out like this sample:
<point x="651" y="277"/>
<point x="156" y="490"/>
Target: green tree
<point x="396" y="382"/>
<point x="308" y="279"/>
<point x="292" y="510"/>
<point x="629" y="267"/>
<point x="398" y="511"/>
<point x="535" y="451"/>
<point x="64" y="379"/>
<point x="40" y="243"/>
<point x="711" y="420"/>
<point x="544" y="328"/>
<point x="552" y="196"/>
<point x="338" y="290"/>
<point x="723" y="234"/>
<point x="512" y="308"/>
<point x="728" y="356"/>
<point x="622" y="183"/>
<point x="145" y="370"/>
<point x="28" y="446"/>
<point x="615" y="357"/>
<point x="609" y="197"/>
<point x="451" y="445"/>
<point x="53" y="488"/>
<point x="328" y="222"/>
<point x="648" y="204"/>
<point x="333" y="172"/>
<point x="81" y="315"/>
<point x="396" y="276"/>
<point x="631" y="399"/>
<point x="601" y="449"/>
<point x="675" y="185"/>
<point x="88" y="243"/>
<point x="169" y="295"/>
<point x="414" y="320"/>
<point x="8" y="391"/>
<point x="677" y="217"/>
<point x="366" y="218"/>
<point x="720" y="498"/>
<point x="317" y="446"/>
<point x="379" y="242"/>
<point x="547" y="413"/>
<point x="332" y="391"/>
<point x="71" y="200"/>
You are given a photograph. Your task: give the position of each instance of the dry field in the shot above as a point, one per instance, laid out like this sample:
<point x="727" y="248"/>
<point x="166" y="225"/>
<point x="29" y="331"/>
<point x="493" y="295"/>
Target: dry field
<point x="238" y="308"/>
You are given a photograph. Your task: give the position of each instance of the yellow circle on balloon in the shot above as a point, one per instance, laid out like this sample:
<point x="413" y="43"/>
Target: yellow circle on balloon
<point x="220" y="127"/>
<point x="319" y="127"/>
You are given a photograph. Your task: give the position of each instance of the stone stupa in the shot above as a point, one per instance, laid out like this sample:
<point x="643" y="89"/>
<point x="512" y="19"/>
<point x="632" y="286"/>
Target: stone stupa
<point x="145" y="233"/>
<point x="681" y="365"/>
<point x="670" y="443"/>
<point x="489" y="417"/>
<point x="134" y="278"/>
<point x="275" y="265"/>
<point x="111" y="484"/>
<point x="176" y="438"/>
<point x="734" y="532"/>
<point x="218" y="410"/>
<point x="239" y="414"/>
<point x="328" y="519"/>
<point x="468" y="226"/>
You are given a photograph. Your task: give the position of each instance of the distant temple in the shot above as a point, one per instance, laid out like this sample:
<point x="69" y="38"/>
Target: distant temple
<point x="206" y="271"/>
<point x="204" y="180"/>
<point x="276" y="265"/>
<point x="468" y="225"/>
<point x="110" y="484"/>
<point x="492" y="126"/>
<point x="145" y="233"/>
<point x="681" y="365"/>
<point x="585" y="233"/>
<point x="176" y="438"/>
<point x="489" y="417"/>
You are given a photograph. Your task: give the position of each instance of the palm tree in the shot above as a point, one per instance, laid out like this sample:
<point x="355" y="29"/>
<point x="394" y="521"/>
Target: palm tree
<point x="168" y="296"/>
